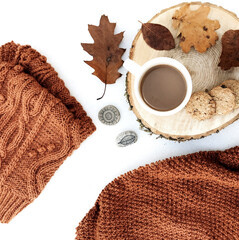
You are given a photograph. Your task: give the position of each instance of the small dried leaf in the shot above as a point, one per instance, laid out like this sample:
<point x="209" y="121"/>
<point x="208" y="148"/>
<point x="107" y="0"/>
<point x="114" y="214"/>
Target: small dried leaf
<point x="105" y="51"/>
<point x="230" y="50"/>
<point x="157" y="36"/>
<point x="195" y="29"/>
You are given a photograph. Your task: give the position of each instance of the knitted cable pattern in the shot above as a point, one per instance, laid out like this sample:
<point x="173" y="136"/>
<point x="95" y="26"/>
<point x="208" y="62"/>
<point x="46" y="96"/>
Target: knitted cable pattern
<point x="189" y="197"/>
<point x="41" y="124"/>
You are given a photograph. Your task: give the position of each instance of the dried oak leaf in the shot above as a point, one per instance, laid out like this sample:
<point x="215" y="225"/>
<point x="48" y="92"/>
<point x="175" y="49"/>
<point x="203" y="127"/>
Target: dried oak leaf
<point x="105" y="51"/>
<point x="230" y="50"/>
<point x="195" y="29"/>
<point x="157" y="36"/>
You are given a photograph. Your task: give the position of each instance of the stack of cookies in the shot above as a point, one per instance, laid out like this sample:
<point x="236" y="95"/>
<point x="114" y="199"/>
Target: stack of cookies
<point x="220" y="100"/>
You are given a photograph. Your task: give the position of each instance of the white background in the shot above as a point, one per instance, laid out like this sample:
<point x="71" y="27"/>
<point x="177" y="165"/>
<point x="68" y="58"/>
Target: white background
<point x="57" y="29"/>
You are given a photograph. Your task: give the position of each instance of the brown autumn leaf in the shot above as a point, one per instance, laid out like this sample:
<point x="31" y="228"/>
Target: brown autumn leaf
<point x="230" y="50"/>
<point x="195" y="29"/>
<point x="157" y="36"/>
<point x="105" y="51"/>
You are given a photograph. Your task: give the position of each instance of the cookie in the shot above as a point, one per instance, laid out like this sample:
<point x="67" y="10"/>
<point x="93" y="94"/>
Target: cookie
<point x="224" y="98"/>
<point x="234" y="86"/>
<point x="201" y="106"/>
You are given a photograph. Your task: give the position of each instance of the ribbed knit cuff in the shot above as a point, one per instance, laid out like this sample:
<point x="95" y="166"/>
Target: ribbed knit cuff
<point x="10" y="204"/>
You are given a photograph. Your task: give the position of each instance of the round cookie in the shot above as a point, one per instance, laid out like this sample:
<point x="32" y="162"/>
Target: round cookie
<point x="224" y="98"/>
<point x="201" y="106"/>
<point x="234" y="86"/>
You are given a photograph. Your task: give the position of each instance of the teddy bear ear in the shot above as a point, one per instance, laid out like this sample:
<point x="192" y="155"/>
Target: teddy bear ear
<point x="230" y="158"/>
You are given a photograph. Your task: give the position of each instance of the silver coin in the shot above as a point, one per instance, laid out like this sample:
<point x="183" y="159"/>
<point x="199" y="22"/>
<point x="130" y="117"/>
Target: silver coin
<point x="126" y="138"/>
<point x="109" y="115"/>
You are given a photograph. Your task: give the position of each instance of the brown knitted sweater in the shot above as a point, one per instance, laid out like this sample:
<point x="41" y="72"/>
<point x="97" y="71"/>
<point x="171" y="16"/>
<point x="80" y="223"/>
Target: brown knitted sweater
<point x="40" y="125"/>
<point x="188" y="197"/>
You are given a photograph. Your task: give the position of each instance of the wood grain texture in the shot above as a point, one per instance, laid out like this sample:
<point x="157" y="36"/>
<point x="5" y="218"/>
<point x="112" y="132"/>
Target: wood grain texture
<point x="203" y="68"/>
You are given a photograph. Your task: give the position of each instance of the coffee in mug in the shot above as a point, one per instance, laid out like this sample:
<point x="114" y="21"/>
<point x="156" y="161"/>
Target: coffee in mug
<point x="163" y="87"/>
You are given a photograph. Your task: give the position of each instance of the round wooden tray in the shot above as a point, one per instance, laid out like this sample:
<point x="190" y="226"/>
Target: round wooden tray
<point x="203" y="68"/>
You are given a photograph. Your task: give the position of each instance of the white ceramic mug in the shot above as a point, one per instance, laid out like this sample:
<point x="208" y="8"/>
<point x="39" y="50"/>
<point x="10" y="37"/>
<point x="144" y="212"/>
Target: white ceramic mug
<point x="139" y="72"/>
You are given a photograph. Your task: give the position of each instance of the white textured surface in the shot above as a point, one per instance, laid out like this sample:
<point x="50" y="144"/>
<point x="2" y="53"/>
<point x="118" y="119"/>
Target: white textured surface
<point x="56" y="28"/>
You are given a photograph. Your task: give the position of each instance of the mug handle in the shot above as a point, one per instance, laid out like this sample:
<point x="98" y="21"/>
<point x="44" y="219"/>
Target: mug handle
<point x="132" y="66"/>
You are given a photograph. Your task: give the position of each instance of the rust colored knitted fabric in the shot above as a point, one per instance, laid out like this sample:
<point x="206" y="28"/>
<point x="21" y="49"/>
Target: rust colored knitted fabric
<point x="188" y="197"/>
<point x="41" y="124"/>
